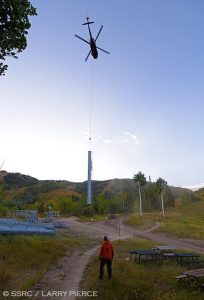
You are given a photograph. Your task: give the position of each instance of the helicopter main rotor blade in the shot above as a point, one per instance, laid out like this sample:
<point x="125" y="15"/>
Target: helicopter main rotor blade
<point x="2" y="164"/>
<point x="103" y="50"/>
<point x="88" y="55"/>
<point x="99" y="33"/>
<point x="81" y="39"/>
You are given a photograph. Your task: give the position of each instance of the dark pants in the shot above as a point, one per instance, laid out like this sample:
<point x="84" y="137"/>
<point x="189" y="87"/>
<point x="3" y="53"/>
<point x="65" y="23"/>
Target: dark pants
<point x="108" y="262"/>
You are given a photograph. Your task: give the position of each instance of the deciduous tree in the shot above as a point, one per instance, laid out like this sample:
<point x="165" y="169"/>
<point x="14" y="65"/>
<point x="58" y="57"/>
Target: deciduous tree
<point x="140" y="179"/>
<point x="160" y="183"/>
<point x="14" y="25"/>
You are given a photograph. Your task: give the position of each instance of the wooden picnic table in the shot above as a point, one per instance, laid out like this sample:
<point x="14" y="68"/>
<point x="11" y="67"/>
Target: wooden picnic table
<point x="149" y="255"/>
<point x="184" y="257"/>
<point x="197" y="273"/>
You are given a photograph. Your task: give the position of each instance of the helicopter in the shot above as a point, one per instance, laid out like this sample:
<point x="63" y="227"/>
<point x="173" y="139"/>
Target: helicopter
<point x="92" y="41"/>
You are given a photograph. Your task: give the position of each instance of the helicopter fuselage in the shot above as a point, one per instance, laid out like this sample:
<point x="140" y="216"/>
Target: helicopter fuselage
<point x="92" y="42"/>
<point x="94" y="51"/>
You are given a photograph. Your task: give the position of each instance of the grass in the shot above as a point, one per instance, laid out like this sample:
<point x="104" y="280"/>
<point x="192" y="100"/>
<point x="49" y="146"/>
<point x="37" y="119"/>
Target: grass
<point x="185" y="220"/>
<point x="25" y="259"/>
<point x="145" y="222"/>
<point x="138" y="281"/>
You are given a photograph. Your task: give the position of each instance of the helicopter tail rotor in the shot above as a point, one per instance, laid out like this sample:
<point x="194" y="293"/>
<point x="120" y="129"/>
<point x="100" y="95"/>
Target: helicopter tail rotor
<point x="87" y="23"/>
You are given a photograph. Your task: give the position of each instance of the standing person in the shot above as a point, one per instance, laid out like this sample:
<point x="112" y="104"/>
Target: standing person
<point x="106" y="256"/>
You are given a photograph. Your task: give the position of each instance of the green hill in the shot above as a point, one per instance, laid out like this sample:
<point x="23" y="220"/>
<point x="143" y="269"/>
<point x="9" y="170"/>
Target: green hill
<point x="18" y="191"/>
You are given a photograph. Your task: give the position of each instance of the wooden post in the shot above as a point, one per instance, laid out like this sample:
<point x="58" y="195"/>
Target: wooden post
<point x="140" y="199"/>
<point x="119" y="229"/>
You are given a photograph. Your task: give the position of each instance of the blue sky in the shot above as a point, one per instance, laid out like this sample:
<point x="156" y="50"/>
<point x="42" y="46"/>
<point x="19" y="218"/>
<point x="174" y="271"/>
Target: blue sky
<point x="148" y="94"/>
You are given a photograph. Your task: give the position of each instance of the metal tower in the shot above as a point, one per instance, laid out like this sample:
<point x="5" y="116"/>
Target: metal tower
<point x="89" y="185"/>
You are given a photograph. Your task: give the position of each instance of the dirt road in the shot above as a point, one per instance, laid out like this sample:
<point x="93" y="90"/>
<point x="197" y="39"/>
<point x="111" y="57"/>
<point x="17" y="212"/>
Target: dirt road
<point x="68" y="273"/>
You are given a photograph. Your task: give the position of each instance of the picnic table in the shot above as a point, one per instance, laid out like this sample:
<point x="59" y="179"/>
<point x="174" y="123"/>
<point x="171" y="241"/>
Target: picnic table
<point x="187" y="257"/>
<point x="166" y="251"/>
<point x="148" y="255"/>
<point x="195" y="274"/>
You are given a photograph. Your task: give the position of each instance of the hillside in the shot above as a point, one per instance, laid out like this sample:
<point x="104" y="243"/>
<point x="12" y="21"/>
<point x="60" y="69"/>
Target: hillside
<point x="200" y="193"/>
<point x="115" y="186"/>
<point x="18" y="191"/>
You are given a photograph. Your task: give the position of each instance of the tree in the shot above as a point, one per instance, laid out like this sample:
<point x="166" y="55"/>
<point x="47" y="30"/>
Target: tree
<point x="101" y="204"/>
<point x="152" y="201"/>
<point x="41" y="207"/>
<point x="160" y="183"/>
<point x="14" y="23"/>
<point x="2" y="191"/>
<point x="3" y="210"/>
<point x="140" y="179"/>
<point x="127" y="202"/>
<point x="169" y="198"/>
<point x="66" y="205"/>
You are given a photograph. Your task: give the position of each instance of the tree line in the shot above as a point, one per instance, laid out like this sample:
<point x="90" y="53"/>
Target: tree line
<point x="129" y="196"/>
<point x="159" y="187"/>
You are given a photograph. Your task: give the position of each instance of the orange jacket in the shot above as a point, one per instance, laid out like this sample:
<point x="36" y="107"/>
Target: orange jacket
<point x="107" y="250"/>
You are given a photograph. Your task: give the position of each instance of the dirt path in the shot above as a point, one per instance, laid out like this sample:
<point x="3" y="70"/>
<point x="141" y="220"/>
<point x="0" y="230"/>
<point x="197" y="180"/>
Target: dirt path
<point x="64" y="277"/>
<point x="192" y="245"/>
<point x="157" y="224"/>
<point x="68" y="273"/>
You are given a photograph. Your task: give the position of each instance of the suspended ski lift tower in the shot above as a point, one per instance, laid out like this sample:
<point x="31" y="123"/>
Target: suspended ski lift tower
<point x="89" y="185"/>
<point x="94" y="52"/>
